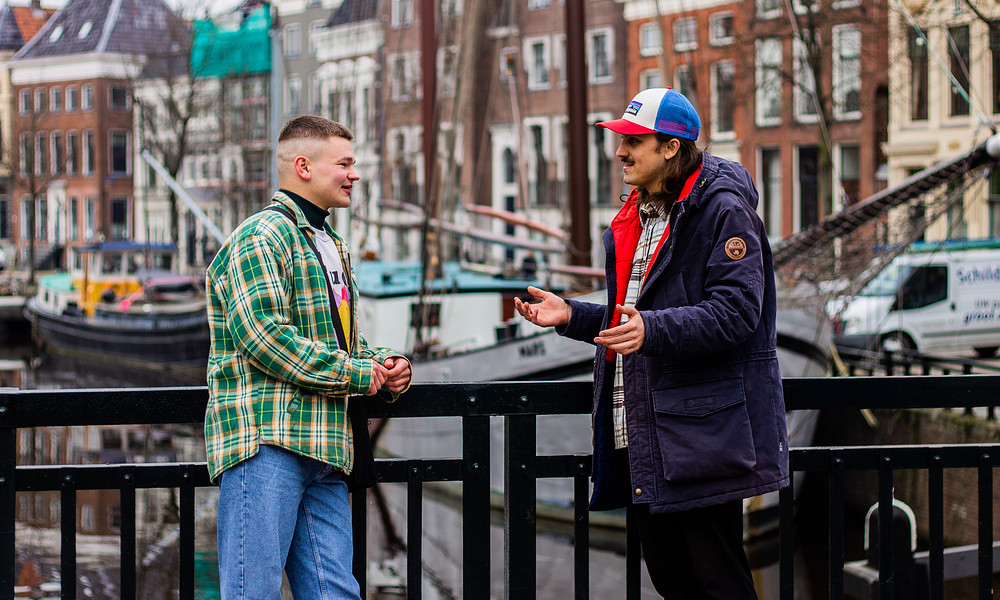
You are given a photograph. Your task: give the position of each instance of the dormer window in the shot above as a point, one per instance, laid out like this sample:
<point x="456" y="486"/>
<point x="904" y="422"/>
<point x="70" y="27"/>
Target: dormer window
<point x="85" y="30"/>
<point x="56" y="33"/>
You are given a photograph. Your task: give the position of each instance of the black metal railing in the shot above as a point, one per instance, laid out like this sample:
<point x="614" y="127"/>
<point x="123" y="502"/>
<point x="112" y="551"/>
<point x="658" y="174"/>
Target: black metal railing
<point x="519" y="403"/>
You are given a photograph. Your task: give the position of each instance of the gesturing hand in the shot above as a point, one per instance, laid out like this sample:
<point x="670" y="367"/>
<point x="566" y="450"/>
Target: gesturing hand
<point x="551" y="311"/>
<point x="627" y="337"/>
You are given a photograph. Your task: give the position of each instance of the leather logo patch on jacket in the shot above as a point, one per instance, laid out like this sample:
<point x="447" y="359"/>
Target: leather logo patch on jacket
<point x="736" y="248"/>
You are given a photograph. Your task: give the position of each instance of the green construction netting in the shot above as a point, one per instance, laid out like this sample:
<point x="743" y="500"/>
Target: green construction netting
<point x="221" y="50"/>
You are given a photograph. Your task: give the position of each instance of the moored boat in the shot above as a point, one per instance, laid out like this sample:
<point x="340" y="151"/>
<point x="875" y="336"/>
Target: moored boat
<point x="120" y="305"/>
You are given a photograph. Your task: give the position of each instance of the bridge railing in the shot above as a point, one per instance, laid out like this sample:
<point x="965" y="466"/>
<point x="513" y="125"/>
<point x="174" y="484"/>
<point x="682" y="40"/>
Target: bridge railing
<point x="519" y="403"/>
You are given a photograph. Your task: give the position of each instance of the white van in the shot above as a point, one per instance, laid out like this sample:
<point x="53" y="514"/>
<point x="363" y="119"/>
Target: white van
<point x="935" y="298"/>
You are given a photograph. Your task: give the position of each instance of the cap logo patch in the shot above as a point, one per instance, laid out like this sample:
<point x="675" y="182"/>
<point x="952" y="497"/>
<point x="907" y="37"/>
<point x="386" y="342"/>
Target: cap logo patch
<point x="633" y="108"/>
<point x="736" y="248"/>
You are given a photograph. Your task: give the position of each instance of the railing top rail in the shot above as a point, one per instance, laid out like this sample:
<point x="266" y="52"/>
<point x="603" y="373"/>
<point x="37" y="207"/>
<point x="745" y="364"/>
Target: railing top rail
<point x="42" y="408"/>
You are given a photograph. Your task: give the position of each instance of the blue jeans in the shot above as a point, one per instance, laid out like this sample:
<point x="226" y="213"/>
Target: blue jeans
<point x="282" y="511"/>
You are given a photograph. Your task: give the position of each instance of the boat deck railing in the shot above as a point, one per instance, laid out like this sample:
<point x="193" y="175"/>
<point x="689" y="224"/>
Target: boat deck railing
<point x="519" y="404"/>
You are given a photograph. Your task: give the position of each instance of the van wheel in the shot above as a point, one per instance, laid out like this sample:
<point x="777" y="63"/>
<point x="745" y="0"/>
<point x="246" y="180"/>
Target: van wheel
<point x="896" y="341"/>
<point x="986" y="351"/>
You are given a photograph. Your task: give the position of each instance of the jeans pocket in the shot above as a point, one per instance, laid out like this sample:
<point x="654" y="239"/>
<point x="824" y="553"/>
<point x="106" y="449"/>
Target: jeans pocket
<point x="703" y="430"/>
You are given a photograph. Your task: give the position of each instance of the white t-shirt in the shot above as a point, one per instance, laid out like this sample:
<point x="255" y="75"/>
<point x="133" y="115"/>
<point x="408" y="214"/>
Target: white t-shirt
<point x="337" y="277"/>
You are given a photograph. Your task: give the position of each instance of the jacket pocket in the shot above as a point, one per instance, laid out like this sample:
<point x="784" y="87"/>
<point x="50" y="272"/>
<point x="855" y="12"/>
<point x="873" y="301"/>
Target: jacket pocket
<point x="703" y="430"/>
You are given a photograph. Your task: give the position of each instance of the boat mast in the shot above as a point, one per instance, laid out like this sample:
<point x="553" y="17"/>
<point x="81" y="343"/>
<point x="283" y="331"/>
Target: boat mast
<point x="430" y="248"/>
<point x="576" y="104"/>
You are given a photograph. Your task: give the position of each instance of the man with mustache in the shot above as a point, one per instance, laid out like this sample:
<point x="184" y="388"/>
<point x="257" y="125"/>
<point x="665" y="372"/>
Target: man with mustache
<point x="688" y="413"/>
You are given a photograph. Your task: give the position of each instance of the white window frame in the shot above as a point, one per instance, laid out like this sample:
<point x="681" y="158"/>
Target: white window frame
<point x="650" y="39"/>
<point x="559" y="57"/>
<point x="55" y="92"/>
<point x="508" y="64"/>
<point x="24" y="102"/>
<point x="765" y="48"/>
<point x="713" y="21"/>
<point x="88" y="164"/>
<point x="539" y="75"/>
<point x="293" y="87"/>
<point x="846" y="3"/>
<point x="72" y="92"/>
<point x="539" y="4"/>
<point x="774" y="208"/>
<point x="804" y="86"/>
<point x="56" y="139"/>
<point x="609" y="49"/>
<point x="315" y="28"/>
<point x="404" y="89"/>
<point x="843" y="83"/>
<point x="128" y="152"/>
<point x="87" y="97"/>
<point x="650" y="78"/>
<point x="401" y="14"/>
<point x="291" y="37"/>
<point x="768" y="9"/>
<point x="447" y="79"/>
<point x="682" y="74"/>
<point x="717" y="134"/>
<point x="685" y="34"/>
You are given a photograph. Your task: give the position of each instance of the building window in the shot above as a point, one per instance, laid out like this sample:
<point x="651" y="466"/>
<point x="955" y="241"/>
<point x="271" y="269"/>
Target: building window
<point x="601" y="166"/>
<point x="684" y="81"/>
<point x="118" y="97"/>
<point x="293" y="40"/>
<point x="447" y="67"/>
<point x="508" y="65"/>
<point x="768" y="9"/>
<point x="4" y="217"/>
<point x="918" y="77"/>
<point x="770" y="193"/>
<point x="538" y="176"/>
<point x="403" y="76"/>
<point x="720" y="29"/>
<point x="958" y="50"/>
<point x="119" y="218"/>
<point x="55" y="99"/>
<point x="24" y="105"/>
<point x="315" y="29"/>
<point x="90" y="221"/>
<point x="26" y="206"/>
<point x="88" y="153"/>
<point x="41" y="159"/>
<point x="804" y="89"/>
<point x="74" y="218"/>
<point x="118" y="142"/>
<point x="72" y="98"/>
<point x="600" y="57"/>
<point x="40" y="100"/>
<point x="847" y="72"/>
<point x="768" y="75"/>
<point x="58" y="153"/>
<point x="723" y="100"/>
<point x="685" y="34"/>
<point x="559" y="57"/>
<point x="293" y="95"/>
<point x="809" y="208"/>
<point x="88" y="97"/>
<point x="41" y="218"/>
<point x="850" y="174"/>
<point x="537" y="4"/>
<point x="25" y="155"/>
<point x="402" y="13"/>
<point x="87" y="518"/>
<point x="538" y="63"/>
<point x="650" y="39"/>
<point x="72" y="153"/>
<point x="650" y="78"/>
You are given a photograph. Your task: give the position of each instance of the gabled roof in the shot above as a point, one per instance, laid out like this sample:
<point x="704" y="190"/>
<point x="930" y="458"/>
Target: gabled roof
<point x="126" y="26"/>
<point x="18" y="24"/>
<point x="353" y="11"/>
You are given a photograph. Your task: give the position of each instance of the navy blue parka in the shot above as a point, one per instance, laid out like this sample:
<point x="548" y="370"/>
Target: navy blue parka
<point x="704" y="407"/>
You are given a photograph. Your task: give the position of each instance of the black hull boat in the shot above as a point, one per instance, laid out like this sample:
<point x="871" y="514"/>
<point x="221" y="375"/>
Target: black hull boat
<point x="121" y="317"/>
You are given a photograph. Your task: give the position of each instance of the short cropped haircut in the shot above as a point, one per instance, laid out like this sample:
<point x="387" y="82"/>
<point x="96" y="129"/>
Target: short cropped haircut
<point x="305" y="127"/>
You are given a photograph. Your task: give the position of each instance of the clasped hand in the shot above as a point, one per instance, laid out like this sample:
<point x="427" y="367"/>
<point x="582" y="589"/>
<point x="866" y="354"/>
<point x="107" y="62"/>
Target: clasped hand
<point x="394" y="374"/>
<point x="627" y="337"/>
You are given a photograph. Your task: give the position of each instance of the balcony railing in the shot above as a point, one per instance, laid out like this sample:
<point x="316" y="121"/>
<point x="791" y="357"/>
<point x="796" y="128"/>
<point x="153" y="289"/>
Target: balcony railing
<point x="519" y="403"/>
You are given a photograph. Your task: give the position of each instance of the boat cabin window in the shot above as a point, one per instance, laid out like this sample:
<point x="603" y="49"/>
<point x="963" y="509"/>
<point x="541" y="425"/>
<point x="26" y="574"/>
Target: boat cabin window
<point x="924" y="286"/>
<point x="111" y="263"/>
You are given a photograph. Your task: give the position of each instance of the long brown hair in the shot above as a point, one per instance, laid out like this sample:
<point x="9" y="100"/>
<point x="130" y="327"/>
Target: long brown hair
<point x="680" y="167"/>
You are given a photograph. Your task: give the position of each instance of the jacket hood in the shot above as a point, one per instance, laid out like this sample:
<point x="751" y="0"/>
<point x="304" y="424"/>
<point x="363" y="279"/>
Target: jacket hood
<point x="737" y="181"/>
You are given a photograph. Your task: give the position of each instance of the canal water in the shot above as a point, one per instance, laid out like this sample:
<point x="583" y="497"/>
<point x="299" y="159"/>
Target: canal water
<point x="98" y="572"/>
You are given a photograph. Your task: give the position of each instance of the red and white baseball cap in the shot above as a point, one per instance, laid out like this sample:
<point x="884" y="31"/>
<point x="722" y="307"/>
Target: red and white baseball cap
<point x="663" y="110"/>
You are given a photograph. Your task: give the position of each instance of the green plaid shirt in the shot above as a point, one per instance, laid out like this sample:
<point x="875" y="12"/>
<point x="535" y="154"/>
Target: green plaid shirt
<point x="276" y="374"/>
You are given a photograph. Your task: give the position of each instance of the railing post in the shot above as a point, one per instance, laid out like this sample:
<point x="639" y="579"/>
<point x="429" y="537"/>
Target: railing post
<point x="476" y="506"/>
<point x="519" y="505"/>
<point x="8" y="462"/>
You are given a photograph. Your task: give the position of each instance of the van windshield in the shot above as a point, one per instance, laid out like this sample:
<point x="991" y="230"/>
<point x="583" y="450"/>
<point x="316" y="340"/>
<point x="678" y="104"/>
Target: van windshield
<point x="886" y="283"/>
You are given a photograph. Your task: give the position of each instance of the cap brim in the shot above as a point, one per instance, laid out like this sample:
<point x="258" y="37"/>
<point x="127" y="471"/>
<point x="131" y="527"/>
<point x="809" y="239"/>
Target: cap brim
<point x="625" y="127"/>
